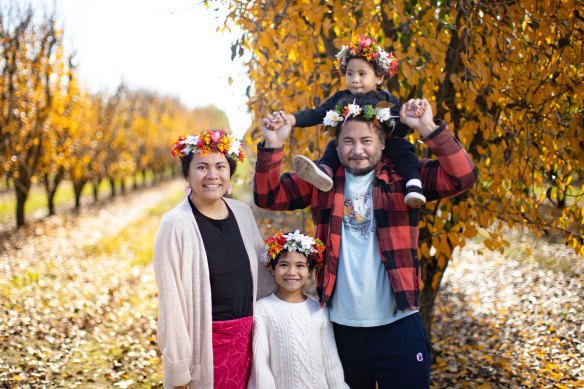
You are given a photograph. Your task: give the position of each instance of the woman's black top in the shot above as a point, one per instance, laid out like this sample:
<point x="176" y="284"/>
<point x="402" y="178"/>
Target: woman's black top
<point x="229" y="268"/>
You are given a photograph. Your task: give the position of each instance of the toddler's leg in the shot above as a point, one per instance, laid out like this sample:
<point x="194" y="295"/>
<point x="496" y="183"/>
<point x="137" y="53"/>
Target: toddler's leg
<point x="318" y="173"/>
<point x="402" y="153"/>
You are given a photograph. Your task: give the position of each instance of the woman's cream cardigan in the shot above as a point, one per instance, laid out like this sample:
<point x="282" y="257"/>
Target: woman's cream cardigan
<point x="184" y="292"/>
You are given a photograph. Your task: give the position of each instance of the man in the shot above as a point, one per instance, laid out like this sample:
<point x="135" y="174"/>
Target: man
<point x="370" y="281"/>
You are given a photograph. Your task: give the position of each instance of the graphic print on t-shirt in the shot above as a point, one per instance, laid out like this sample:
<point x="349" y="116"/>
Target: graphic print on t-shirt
<point x="358" y="213"/>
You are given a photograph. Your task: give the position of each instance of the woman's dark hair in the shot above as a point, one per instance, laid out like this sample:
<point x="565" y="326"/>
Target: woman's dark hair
<point x="361" y="99"/>
<point x="185" y="163"/>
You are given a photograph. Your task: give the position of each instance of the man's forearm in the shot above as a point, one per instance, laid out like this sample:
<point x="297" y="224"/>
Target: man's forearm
<point x="273" y="144"/>
<point x="427" y="128"/>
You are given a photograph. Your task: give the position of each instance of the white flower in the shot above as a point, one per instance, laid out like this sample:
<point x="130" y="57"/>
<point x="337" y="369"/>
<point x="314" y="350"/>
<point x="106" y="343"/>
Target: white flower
<point x="190" y="144"/>
<point x="191" y="140"/>
<point x="332" y="118"/>
<point x="342" y="53"/>
<point x="353" y="109"/>
<point x="384" y="59"/>
<point x="382" y="114"/>
<point x="295" y="241"/>
<point x="235" y="147"/>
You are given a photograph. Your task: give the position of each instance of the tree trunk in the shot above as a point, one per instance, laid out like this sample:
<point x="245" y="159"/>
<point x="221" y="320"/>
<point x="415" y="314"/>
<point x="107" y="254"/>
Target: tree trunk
<point x="428" y="294"/>
<point x="123" y="186"/>
<point x="144" y="179"/>
<point x="112" y="187"/>
<point x="78" y="186"/>
<point x="95" y="185"/>
<point x="22" y="189"/>
<point x="51" y="189"/>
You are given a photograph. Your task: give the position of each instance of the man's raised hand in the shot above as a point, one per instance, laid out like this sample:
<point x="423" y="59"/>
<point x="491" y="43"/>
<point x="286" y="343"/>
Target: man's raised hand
<point x="275" y="128"/>
<point x="423" y="124"/>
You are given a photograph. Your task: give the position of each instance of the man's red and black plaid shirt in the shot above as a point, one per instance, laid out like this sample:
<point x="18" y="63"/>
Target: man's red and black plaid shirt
<point x="450" y="174"/>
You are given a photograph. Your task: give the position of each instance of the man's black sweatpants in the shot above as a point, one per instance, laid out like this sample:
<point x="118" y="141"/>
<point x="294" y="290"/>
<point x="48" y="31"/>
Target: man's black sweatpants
<point x="395" y="355"/>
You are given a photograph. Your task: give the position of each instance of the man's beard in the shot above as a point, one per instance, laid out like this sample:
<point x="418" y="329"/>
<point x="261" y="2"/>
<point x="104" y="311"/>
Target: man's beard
<point x="365" y="170"/>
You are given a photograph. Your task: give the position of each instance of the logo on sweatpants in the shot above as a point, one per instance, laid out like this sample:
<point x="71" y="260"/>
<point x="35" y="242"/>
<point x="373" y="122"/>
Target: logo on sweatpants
<point x="420" y="357"/>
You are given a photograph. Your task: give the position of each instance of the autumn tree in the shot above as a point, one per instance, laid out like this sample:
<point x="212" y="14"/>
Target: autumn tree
<point x="56" y="158"/>
<point x="29" y="60"/>
<point x="506" y="76"/>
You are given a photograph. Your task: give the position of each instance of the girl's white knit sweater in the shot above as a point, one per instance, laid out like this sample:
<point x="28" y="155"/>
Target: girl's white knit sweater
<point x="294" y="347"/>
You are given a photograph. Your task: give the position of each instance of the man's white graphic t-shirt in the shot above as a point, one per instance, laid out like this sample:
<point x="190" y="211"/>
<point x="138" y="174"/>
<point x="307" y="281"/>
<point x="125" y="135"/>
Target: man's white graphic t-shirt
<point x="363" y="296"/>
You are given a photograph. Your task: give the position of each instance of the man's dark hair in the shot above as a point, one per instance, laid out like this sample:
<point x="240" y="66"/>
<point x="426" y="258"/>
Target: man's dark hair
<point x="361" y="99"/>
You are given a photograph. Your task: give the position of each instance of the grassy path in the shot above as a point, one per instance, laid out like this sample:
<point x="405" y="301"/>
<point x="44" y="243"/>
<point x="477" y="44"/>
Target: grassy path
<point x="78" y="297"/>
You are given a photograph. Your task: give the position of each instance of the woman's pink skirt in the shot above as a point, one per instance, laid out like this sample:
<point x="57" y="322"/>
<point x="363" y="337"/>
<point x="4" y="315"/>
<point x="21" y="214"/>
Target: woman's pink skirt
<point x="232" y="353"/>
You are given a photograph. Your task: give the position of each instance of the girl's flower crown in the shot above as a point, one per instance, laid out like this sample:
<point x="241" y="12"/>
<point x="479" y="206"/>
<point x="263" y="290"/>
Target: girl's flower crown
<point x="379" y="114"/>
<point x="208" y="141"/>
<point x="369" y="49"/>
<point x="294" y="241"/>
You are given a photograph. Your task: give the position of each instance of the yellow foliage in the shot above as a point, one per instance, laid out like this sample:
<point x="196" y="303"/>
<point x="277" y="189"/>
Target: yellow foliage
<point x="511" y="92"/>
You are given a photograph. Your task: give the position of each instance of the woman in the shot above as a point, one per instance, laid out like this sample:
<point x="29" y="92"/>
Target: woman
<point x="207" y="271"/>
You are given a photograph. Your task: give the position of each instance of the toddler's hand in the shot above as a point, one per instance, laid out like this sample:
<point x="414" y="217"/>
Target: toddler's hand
<point x="415" y="110"/>
<point x="275" y="137"/>
<point x="275" y="121"/>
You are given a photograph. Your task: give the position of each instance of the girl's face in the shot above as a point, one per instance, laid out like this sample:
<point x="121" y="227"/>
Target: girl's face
<point x="291" y="273"/>
<point x="360" y="76"/>
<point x="209" y="177"/>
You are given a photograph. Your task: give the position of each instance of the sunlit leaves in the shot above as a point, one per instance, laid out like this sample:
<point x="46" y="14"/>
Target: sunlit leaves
<point x="506" y="76"/>
<point x="51" y="128"/>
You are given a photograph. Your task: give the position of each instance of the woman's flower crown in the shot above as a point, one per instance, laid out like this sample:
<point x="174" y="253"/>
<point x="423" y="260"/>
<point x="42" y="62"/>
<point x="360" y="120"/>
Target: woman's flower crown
<point x="294" y="241"/>
<point x="369" y="49"/>
<point x="379" y="114"/>
<point x="208" y="141"/>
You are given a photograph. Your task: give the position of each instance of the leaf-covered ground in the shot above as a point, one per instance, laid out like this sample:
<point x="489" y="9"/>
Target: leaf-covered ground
<point x="513" y="321"/>
<point x="78" y="297"/>
<point x="78" y="306"/>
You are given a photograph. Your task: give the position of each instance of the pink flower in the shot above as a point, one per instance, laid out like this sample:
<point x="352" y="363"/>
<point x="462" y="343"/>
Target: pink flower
<point x="215" y="135"/>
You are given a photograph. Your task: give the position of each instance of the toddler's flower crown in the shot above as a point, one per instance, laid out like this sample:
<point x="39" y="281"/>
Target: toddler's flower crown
<point x="379" y="114"/>
<point x="294" y="241"/>
<point x="369" y="49"/>
<point x="208" y="141"/>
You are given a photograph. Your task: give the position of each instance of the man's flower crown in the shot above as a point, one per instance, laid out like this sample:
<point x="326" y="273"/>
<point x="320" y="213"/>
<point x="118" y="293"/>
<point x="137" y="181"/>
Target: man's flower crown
<point x="208" y="141"/>
<point x="379" y="114"/>
<point x="294" y="241"/>
<point x="369" y="49"/>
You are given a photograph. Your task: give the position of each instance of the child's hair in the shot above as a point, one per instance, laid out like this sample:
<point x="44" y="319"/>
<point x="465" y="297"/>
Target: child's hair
<point x="384" y="64"/>
<point x="279" y="244"/>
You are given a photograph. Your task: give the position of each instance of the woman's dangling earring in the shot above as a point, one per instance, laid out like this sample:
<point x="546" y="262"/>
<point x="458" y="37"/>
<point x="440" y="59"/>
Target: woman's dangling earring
<point x="229" y="189"/>
<point x="188" y="189"/>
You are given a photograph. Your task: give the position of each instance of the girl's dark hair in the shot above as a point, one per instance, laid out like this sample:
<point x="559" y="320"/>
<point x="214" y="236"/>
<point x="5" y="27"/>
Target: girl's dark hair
<point x="361" y="99"/>
<point x="310" y="261"/>
<point x="185" y="163"/>
<point x="375" y="65"/>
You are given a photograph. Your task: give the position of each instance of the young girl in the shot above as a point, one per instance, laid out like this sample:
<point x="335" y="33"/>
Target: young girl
<point x="365" y="66"/>
<point x="293" y="342"/>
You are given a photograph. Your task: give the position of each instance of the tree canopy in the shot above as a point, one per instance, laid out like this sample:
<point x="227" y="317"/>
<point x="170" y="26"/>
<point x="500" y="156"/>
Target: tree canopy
<point x="505" y="75"/>
<point x="52" y="128"/>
